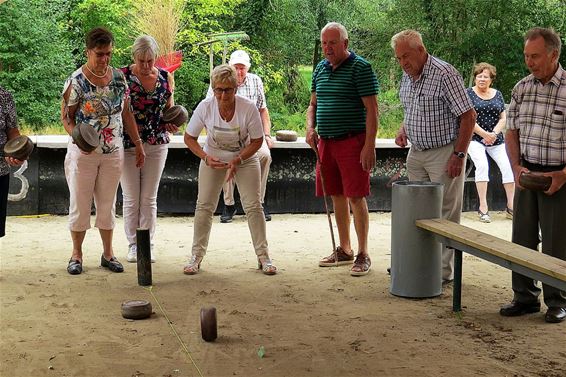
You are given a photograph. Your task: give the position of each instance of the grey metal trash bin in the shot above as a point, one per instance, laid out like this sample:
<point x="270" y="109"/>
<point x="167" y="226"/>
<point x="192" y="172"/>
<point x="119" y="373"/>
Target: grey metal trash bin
<point x="416" y="257"/>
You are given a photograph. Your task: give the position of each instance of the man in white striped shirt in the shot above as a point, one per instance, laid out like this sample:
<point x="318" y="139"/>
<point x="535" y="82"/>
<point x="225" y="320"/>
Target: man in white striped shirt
<point x="439" y="121"/>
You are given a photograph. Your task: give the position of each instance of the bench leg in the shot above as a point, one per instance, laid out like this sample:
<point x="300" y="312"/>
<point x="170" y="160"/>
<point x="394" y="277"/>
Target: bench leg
<point x="457" y="291"/>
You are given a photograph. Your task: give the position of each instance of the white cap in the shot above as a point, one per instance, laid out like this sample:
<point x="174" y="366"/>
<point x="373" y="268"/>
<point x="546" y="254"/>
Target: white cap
<point x="240" y="57"/>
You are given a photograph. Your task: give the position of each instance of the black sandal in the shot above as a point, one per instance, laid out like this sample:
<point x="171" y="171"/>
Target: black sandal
<point x="112" y="264"/>
<point x="75" y="267"/>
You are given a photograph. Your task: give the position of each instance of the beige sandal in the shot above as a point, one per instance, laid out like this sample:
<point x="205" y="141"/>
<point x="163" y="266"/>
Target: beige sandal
<point x="264" y="264"/>
<point x="193" y="266"/>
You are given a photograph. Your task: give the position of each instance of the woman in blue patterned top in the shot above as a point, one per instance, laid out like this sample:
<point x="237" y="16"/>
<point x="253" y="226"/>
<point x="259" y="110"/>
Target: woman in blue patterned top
<point x="151" y="92"/>
<point x="96" y="95"/>
<point x="487" y="138"/>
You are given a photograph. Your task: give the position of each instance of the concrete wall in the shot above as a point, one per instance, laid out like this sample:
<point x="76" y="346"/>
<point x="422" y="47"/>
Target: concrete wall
<point x="39" y="187"/>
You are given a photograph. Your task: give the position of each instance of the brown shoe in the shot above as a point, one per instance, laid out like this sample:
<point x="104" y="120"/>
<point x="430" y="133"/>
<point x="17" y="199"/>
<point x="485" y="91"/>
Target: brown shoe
<point x="343" y="258"/>
<point x="361" y="265"/>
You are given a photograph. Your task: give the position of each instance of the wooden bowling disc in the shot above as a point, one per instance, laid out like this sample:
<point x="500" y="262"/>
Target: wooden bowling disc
<point x="85" y="137"/>
<point x="535" y="181"/>
<point x="176" y="114"/>
<point x="208" y="324"/>
<point x="285" y="135"/>
<point x="136" y="309"/>
<point x="19" y="148"/>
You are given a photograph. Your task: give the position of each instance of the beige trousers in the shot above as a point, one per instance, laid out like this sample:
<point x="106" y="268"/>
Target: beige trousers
<point x="139" y="189"/>
<point x="210" y="183"/>
<point x="264" y="156"/>
<point x="95" y="175"/>
<point x="430" y="166"/>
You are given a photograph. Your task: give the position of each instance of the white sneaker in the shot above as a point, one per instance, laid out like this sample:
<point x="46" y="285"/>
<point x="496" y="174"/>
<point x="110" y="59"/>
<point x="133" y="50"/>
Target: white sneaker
<point x="132" y="253"/>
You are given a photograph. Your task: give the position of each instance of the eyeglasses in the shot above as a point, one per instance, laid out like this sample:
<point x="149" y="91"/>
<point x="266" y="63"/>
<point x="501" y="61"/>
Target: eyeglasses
<point x="223" y="90"/>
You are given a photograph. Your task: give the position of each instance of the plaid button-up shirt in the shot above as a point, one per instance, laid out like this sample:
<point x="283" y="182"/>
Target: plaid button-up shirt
<point x="433" y="103"/>
<point x="539" y="113"/>
<point x="251" y="88"/>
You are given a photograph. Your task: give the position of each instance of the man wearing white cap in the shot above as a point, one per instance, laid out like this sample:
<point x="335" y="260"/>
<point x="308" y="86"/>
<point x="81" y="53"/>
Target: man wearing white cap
<point x="249" y="86"/>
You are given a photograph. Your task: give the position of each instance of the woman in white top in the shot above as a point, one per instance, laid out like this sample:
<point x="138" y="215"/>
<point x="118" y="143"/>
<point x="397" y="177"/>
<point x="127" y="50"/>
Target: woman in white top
<point x="234" y="134"/>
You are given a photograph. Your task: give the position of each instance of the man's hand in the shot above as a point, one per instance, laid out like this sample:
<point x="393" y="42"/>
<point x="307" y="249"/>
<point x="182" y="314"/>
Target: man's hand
<point x="367" y="157"/>
<point x="517" y="171"/>
<point x="312" y="137"/>
<point x="558" y="180"/>
<point x="269" y="141"/>
<point x="455" y="166"/>
<point x="401" y="138"/>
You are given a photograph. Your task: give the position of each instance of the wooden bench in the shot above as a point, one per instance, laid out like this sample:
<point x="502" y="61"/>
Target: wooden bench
<point x="539" y="266"/>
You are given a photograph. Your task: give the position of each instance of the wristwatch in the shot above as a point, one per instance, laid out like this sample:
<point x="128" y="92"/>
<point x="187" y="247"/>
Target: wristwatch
<point x="459" y="154"/>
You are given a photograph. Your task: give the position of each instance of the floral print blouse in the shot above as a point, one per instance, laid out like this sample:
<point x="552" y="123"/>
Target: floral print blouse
<point x="7" y="120"/>
<point x="100" y="106"/>
<point x="148" y="107"/>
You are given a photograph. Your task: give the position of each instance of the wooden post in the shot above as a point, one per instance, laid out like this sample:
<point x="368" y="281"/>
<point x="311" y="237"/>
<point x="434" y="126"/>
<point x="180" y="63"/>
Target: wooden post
<point x="144" y="257"/>
<point x="457" y="291"/>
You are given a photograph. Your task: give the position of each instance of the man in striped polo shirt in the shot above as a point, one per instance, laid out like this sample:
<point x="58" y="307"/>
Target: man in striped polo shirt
<point x="439" y="121"/>
<point x="342" y="121"/>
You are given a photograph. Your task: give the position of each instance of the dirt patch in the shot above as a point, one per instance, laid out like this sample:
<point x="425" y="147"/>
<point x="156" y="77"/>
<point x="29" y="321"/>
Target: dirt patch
<point x="305" y="321"/>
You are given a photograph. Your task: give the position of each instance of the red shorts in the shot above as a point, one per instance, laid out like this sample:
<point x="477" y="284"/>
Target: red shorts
<point x="341" y="167"/>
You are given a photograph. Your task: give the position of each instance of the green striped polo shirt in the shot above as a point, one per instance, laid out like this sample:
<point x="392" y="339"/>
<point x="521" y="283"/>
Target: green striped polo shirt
<point x="339" y="106"/>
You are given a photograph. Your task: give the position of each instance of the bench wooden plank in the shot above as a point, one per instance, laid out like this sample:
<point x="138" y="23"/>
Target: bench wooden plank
<point x="517" y="254"/>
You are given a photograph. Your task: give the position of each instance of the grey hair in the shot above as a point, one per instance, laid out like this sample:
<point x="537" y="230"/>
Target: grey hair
<point x="336" y="26"/>
<point x="551" y="38"/>
<point x="223" y="73"/>
<point x="412" y="37"/>
<point x="145" y="45"/>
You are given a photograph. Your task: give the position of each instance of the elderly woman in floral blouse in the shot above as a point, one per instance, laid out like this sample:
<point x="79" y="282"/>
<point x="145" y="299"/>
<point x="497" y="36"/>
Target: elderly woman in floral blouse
<point x="151" y="92"/>
<point x="96" y="95"/>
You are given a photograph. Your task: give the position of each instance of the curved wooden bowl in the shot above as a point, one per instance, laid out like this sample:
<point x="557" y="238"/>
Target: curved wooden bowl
<point x="176" y="114"/>
<point x="136" y="309"/>
<point x="535" y="181"/>
<point x="19" y="148"/>
<point x="284" y="135"/>
<point x="85" y="137"/>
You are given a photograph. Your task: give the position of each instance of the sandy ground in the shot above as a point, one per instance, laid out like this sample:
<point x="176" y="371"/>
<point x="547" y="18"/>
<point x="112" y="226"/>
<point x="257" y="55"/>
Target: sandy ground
<point x="310" y="321"/>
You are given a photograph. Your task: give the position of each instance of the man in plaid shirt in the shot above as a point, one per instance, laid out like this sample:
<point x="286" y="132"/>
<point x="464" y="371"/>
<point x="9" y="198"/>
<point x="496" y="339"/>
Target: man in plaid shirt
<point x="439" y="121"/>
<point x="536" y="142"/>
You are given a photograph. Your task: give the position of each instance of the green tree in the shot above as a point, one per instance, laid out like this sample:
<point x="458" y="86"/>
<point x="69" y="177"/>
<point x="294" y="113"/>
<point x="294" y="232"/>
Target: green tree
<point x="35" y="58"/>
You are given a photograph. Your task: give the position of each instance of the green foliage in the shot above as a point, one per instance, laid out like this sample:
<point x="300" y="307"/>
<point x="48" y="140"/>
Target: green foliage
<point x="111" y="14"/>
<point x="35" y="59"/>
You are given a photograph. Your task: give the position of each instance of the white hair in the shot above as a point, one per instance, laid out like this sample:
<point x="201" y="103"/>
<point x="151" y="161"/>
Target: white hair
<point x="336" y="26"/>
<point x="412" y="37"/>
<point x="145" y="45"/>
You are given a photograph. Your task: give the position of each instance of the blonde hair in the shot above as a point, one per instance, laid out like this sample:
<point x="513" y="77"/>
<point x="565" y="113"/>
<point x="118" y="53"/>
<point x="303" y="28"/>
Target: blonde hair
<point x="223" y="73"/>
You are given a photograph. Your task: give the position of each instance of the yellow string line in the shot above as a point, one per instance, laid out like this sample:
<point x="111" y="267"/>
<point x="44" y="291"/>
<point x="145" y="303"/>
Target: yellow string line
<point x="150" y="289"/>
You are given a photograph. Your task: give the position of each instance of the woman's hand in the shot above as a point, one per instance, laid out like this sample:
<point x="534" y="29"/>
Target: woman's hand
<point x="233" y="167"/>
<point x="140" y="155"/>
<point x="489" y="138"/>
<point x="170" y="127"/>
<point x="214" y="162"/>
<point x="13" y="161"/>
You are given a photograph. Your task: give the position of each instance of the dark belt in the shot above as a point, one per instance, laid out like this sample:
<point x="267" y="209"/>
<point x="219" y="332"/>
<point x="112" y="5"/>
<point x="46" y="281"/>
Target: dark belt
<point x="541" y="168"/>
<point x="343" y="136"/>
